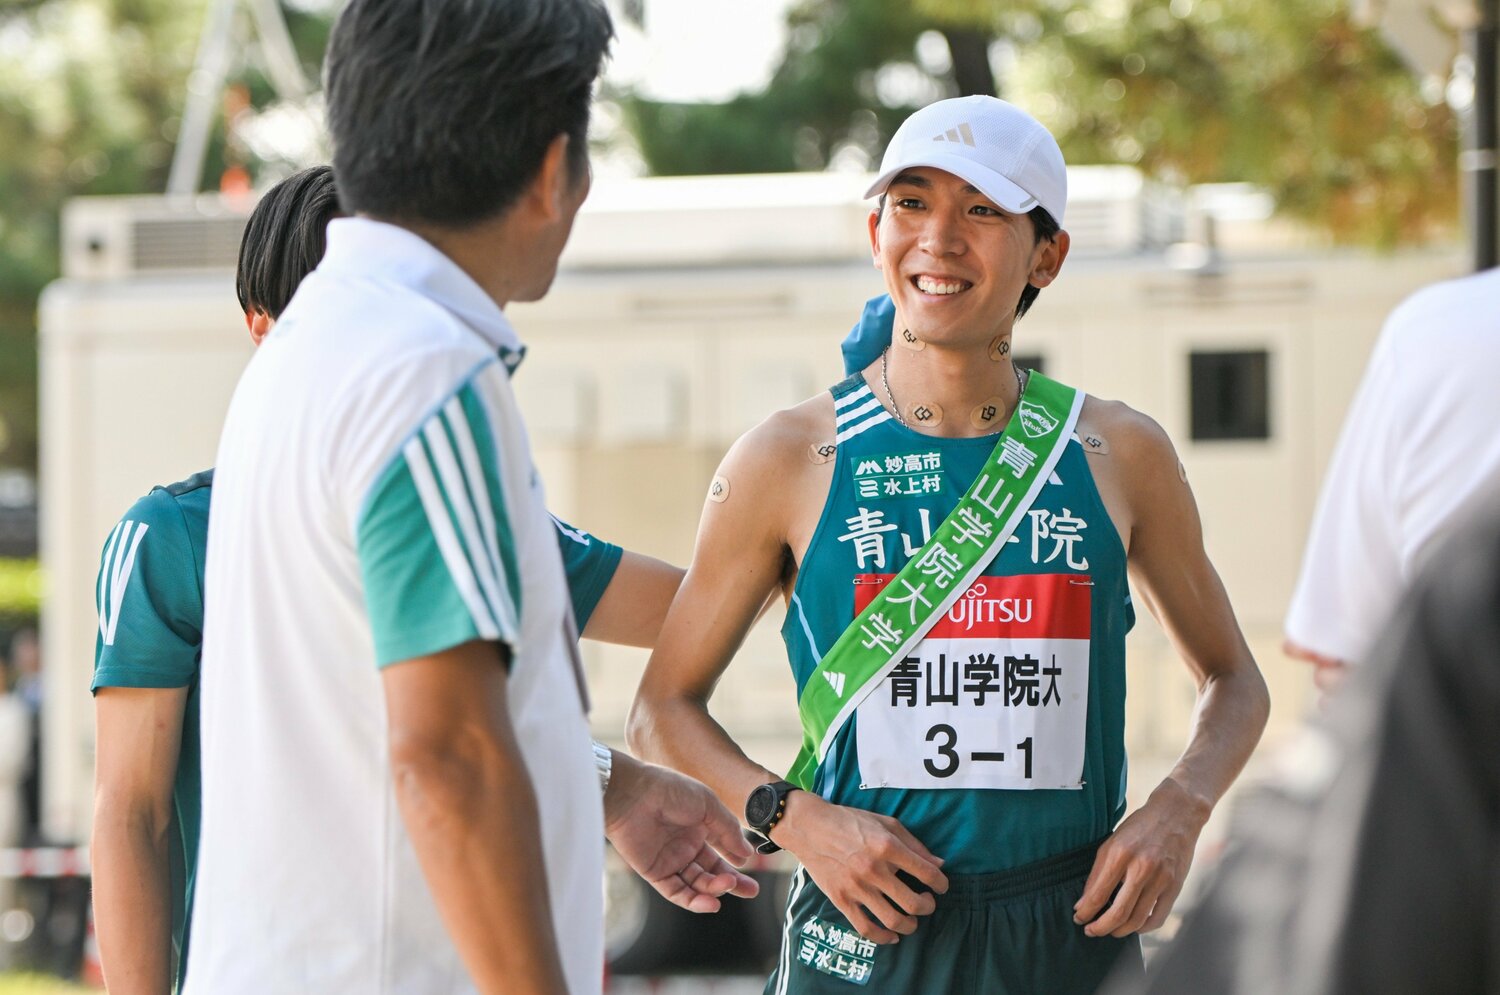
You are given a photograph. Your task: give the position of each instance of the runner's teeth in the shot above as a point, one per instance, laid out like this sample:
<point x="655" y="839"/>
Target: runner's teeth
<point x="929" y="286"/>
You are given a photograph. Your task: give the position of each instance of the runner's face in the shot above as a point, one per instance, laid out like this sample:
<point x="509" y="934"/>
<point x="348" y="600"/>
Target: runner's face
<point x="954" y="263"/>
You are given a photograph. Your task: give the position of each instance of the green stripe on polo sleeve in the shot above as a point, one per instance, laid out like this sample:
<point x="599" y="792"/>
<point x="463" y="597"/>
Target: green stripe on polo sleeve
<point x="434" y="541"/>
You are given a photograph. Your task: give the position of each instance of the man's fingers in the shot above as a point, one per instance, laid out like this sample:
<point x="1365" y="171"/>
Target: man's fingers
<point x="676" y="890"/>
<point x="919" y="863"/>
<point x="725" y="835"/>
<point x="863" y="924"/>
<point x="890" y="917"/>
<point x="1163" y="907"/>
<point x="914" y="902"/>
<point x="726" y="878"/>
<point x="1121" y="909"/>
<point x="1101" y="883"/>
<point x="912" y="843"/>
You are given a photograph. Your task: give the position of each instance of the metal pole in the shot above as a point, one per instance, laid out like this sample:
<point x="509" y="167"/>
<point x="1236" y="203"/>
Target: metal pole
<point x="1480" y="159"/>
<point x="204" y="88"/>
<point x="282" y="64"/>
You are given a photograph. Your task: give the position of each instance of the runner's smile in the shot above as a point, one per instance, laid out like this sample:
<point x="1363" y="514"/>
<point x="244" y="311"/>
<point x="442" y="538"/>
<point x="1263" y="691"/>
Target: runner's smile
<point x="939" y="286"/>
<point x="955" y="263"/>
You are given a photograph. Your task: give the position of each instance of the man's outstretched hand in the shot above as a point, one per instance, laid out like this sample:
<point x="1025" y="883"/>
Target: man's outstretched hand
<point x="672" y="831"/>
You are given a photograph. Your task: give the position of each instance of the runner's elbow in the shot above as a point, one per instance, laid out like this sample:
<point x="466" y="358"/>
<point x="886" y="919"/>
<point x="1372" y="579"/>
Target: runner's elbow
<point x="652" y="711"/>
<point x="638" y="725"/>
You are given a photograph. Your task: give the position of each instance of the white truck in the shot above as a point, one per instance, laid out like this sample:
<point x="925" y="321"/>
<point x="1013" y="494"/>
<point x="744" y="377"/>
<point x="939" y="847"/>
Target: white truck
<point x="688" y="309"/>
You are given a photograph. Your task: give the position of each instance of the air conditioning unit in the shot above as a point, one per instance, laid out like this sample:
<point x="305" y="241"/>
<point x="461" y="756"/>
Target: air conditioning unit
<point x="113" y="238"/>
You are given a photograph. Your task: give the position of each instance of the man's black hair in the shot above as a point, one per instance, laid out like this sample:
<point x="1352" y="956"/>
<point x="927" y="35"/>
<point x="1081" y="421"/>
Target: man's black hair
<point x="442" y="110"/>
<point x="284" y="239"/>
<point x="1045" y="227"/>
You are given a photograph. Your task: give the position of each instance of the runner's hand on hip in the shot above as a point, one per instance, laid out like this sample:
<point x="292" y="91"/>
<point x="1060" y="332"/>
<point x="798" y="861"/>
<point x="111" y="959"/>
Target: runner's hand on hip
<point x="1142" y="865"/>
<point x="854" y="857"/>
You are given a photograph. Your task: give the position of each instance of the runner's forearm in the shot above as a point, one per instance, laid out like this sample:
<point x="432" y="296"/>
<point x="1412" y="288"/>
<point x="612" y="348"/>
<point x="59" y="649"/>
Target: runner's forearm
<point x="132" y="896"/>
<point x="1232" y="709"/>
<point x="679" y="732"/>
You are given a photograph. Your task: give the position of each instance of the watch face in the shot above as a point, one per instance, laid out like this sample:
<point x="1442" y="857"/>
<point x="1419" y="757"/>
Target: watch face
<point x="761" y="805"/>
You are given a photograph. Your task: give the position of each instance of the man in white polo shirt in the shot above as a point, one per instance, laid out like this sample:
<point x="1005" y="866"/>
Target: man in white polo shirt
<point x="1416" y="458"/>
<point x="400" y="793"/>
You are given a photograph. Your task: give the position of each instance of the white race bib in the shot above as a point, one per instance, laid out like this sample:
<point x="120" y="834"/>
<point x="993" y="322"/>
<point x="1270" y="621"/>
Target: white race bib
<point x="996" y="695"/>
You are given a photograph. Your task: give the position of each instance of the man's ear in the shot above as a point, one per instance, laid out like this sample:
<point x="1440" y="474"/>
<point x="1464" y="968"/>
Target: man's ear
<point x="550" y="187"/>
<point x="1049" y="260"/>
<point x="873" y="221"/>
<point x="259" y="324"/>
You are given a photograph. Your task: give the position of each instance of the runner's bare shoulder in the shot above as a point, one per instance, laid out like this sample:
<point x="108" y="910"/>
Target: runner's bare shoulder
<point x="784" y="461"/>
<point x="1141" y="472"/>
<point x="782" y="444"/>
<point x="1129" y="433"/>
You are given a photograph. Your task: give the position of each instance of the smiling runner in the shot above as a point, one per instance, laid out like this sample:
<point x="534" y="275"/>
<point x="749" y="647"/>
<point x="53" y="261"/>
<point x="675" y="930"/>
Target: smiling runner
<point x="953" y="537"/>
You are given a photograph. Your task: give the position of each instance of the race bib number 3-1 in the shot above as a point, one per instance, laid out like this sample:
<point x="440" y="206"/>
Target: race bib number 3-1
<point x="996" y="696"/>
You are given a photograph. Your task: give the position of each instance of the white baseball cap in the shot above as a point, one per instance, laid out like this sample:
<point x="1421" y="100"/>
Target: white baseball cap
<point x="1004" y="152"/>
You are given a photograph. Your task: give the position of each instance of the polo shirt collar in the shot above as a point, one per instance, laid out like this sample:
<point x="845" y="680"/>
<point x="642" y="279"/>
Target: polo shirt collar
<point x="368" y="249"/>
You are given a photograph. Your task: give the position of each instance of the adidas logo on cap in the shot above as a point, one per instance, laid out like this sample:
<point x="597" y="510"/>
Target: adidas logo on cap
<point x="999" y="149"/>
<point x="960" y="134"/>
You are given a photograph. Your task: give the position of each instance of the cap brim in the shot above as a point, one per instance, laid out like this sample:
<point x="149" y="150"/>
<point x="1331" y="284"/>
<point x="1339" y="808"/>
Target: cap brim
<point x="997" y="188"/>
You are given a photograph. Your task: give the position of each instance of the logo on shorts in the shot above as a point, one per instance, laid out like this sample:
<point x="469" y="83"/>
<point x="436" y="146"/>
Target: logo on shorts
<point x="835" y="950"/>
<point x="1035" y="421"/>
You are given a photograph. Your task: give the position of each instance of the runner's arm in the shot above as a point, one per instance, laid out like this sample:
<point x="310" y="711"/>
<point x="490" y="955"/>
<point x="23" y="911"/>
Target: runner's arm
<point x="138" y="735"/>
<point x="738" y="560"/>
<point x="737" y="563"/>
<point x="634" y="605"/>
<point x="467" y="802"/>
<point x="1149" y="854"/>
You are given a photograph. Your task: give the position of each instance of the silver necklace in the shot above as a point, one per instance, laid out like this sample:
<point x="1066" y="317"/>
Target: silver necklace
<point x="885" y="381"/>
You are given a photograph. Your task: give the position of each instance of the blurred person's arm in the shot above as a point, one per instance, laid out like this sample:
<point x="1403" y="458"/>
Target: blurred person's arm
<point x="1328" y="671"/>
<point x="138" y="738"/>
<point x="739" y="559"/>
<point x="1140" y="869"/>
<point x="145" y="664"/>
<point x="618" y="596"/>
<point x="468" y="804"/>
<point x="635" y="602"/>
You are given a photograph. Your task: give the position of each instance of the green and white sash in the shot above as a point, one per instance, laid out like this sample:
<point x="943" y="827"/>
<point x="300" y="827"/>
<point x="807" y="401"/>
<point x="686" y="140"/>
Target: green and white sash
<point x="930" y="582"/>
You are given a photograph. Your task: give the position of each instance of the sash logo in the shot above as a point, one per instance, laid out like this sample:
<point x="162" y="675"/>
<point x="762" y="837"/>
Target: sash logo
<point x="835" y="681"/>
<point x="1035" y="421"/>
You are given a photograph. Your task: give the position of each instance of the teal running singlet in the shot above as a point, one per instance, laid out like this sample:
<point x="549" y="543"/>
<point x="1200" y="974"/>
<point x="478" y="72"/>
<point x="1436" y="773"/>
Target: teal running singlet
<point x="974" y="742"/>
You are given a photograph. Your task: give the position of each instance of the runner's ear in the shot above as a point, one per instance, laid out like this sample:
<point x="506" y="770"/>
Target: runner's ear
<point x="1048" y="261"/>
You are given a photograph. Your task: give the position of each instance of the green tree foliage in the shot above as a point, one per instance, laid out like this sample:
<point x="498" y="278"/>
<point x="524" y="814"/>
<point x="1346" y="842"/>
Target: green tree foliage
<point x="1291" y="96"/>
<point x="826" y="95"/>
<point x="91" y="92"/>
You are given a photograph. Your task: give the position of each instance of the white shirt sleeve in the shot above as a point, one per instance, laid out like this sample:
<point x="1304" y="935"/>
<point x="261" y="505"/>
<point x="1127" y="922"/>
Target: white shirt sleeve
<point x="1351" y="570"/>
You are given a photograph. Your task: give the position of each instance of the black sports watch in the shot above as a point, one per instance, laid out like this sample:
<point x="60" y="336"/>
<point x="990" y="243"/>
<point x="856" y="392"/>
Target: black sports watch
<point x="764" y="809"/>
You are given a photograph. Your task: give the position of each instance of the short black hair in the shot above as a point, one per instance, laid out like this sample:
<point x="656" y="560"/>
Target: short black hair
<point x="284" y="239"/>
<point x="1043" y="224"/>
<point x="442" y="110"/>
